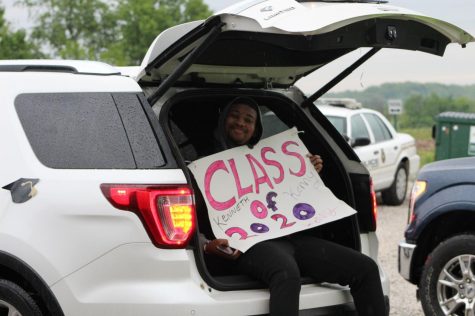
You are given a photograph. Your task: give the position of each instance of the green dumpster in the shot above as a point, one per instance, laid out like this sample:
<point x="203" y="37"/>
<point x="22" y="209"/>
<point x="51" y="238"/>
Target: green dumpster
<point x="454" y="135"/>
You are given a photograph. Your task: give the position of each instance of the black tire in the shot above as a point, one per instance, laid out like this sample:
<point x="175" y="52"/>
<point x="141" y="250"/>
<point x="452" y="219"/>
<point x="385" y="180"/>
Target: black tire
<point x="16" y="301"/>
<point x="438" y="286"/>
<point x="396" y="193"/>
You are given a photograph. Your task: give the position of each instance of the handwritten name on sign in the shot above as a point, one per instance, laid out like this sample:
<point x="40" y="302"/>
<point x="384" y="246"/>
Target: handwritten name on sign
<point x="266" y="192"/>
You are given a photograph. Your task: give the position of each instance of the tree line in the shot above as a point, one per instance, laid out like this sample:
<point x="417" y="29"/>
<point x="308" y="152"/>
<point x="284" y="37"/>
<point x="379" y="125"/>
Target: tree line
<point x="118" y="32"/>
<point x="14" y="44"/>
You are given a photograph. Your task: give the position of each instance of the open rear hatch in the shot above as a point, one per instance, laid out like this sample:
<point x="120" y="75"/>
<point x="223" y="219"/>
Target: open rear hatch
<point x="259" y="43"/>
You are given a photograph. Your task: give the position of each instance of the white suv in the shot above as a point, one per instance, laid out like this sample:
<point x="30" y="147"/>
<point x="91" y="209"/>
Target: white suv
<point x="390" y="157"/>
<point x="97" y="211"/>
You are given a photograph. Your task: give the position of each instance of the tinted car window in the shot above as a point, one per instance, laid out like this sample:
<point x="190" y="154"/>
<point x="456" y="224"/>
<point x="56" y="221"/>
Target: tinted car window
<point x="380" y="131"/>
<point x="143" y="142"/>
<point x="339" y="123"/>
<point x="358" y="127"/>
<point x="82" y="130"/>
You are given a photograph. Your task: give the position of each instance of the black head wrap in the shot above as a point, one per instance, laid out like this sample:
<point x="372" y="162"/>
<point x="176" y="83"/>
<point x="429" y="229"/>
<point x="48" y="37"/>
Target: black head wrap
<point x="222" y="136"/>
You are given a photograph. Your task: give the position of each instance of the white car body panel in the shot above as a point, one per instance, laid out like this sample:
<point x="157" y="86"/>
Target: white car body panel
<point x="128" y="279"/>
<point x="93" y="221"/>
<point x="166" y="39"/>
<point x="320" y="17"/>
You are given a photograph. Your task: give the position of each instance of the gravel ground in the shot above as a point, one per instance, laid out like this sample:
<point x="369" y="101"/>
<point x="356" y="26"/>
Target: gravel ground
<point x="391" y="224"/>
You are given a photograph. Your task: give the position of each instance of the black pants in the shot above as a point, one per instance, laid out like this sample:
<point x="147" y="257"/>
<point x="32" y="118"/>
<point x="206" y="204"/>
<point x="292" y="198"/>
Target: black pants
<point x="280" y="262"/>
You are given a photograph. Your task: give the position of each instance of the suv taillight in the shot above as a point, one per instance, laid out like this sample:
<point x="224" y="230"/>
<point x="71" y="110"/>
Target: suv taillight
<point x="374" y="204"/>
<point x="167" y="213"/>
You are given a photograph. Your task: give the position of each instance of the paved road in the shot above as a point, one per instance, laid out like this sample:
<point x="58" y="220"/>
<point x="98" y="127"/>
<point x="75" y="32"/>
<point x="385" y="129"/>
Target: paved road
<point x="391" y="224"/>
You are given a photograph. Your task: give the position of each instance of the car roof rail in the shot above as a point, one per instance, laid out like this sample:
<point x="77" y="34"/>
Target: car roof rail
<point x="39" y="68"/>
<point x="83" y="67"/>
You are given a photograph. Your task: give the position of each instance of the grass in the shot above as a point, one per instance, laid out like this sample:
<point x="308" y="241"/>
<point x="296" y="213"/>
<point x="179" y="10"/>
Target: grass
<point x="426" y="157"/>
<point x="422" y="133"/>
<point x="424" y="143"/>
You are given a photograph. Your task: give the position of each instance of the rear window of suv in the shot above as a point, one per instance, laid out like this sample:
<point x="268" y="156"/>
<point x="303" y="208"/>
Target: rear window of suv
<point x="89" y="130"/>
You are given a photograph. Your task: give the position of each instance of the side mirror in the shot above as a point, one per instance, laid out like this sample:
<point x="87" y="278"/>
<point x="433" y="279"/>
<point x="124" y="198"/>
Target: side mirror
<point x="360" y="141"/>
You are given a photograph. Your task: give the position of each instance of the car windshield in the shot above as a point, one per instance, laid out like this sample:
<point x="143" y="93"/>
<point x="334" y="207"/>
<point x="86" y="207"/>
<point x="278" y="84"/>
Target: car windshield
<point x="339" y="123"/>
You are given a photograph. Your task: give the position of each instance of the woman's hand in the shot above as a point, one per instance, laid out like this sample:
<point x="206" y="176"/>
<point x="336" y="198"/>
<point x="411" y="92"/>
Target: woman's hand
<point x="220" y="247"/>
<point x="316" y="161"/>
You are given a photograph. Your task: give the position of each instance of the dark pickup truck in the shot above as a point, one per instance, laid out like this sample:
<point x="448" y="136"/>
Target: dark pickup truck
<point x="438" y="252"/>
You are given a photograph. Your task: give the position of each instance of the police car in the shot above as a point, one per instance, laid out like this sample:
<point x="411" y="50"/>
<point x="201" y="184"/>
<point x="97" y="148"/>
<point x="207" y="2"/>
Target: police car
<point x="390" y="157"/>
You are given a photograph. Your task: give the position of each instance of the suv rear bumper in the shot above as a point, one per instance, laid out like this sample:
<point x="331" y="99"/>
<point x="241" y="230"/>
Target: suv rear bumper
<point x="405" y="254"/>
<point x="139" y="279"/>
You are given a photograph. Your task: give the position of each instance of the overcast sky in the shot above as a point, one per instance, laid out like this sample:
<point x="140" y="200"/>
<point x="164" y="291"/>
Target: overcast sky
<point x="456" y="67"/>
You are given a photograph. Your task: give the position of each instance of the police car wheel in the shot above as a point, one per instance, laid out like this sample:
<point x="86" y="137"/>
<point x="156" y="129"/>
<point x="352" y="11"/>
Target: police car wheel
<point x="396" y="193"/>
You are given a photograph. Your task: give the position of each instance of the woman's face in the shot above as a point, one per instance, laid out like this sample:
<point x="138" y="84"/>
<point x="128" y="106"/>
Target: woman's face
<point x="240" y="123"/>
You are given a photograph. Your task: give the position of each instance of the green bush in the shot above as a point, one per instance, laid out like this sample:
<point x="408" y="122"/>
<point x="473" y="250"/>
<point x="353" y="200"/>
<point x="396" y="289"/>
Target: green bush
<point x="424" y="143"/>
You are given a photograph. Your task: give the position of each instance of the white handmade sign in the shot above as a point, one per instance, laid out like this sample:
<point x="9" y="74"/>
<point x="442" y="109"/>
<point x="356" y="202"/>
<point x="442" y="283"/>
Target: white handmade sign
<point x="266" y="192"/>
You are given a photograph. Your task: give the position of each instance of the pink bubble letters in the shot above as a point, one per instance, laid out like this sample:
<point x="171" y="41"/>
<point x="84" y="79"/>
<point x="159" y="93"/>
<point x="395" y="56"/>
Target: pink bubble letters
<point x="266" y="192"/>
